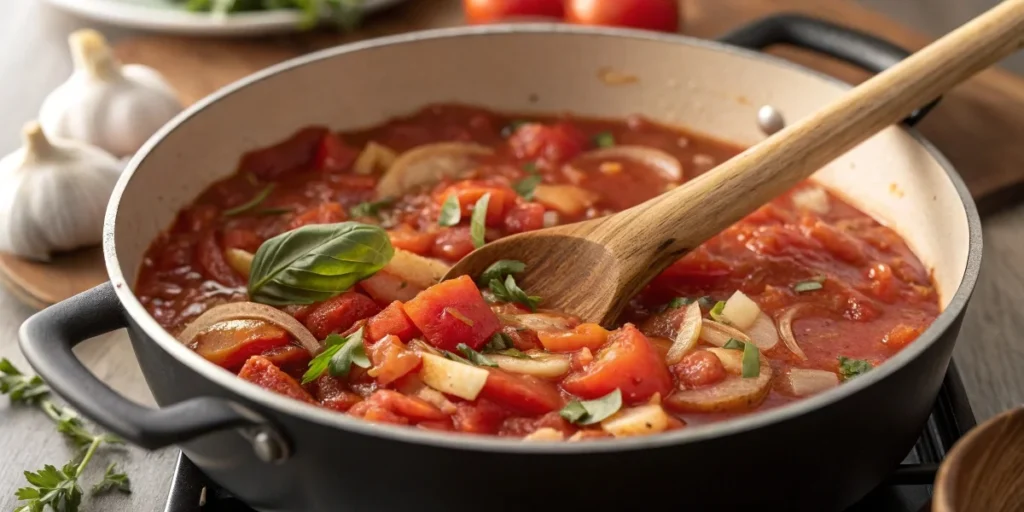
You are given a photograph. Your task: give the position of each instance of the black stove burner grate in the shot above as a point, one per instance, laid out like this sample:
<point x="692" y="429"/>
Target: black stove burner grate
<point x="908" y="489"/>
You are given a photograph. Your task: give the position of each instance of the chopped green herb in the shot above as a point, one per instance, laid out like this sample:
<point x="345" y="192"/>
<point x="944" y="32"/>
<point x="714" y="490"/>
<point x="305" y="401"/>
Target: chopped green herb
<point x="716" y="312"/>
<point x="28" y="389"/>
<point x="514" y="352"/>
<point x="113" y="481"/>
<point x="252" y="179"/>
<point x="475" y="357"/>
<point x="370" y="208"/>
<point x="509" y="291"/>
<point x="500" y="269"/>
<point x="500" y="341"/>
<point x="706" y="302"/>
<point x="511" y="128"/>
<point x="272" y="211"/>
<point x="451" y="212"/>
<point x="751" y="361"/>
<point x="340" y="353"/>
<point x="455" y="357"/>
<point x="589" y="412"/>
<point x="250" y="204"/>
<point x="807" y="286"/>
<point x="604" y="140"/>
<point x="679" y="302"/>
<point x="850" y="368"/>
<point x="530" y="167"/>
<point x="734" y="344"/>
<point x="526" y="186"/>
<point x="478" y="223"/>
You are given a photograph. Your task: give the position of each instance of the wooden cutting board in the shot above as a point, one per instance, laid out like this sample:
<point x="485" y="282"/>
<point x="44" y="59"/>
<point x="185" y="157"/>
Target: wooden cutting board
<point x="979" y="126"/>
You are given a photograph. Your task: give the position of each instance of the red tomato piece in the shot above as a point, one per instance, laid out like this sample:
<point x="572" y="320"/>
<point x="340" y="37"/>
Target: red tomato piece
<point x="334" y="393"/>
<point x="260" y="371"/>
<point x="553" y="144"/>
<point x="882" y="282"/>
<point x="521" y="339"/>
<point x="291" y="359"/>
<point x="230" y="343"/>
<point x="591" y="336"/>
<point x="468" y="192"/>
<point x="453" y="243"/>
<point x="293" y="154"/>
<point x="413" y="408"/>
<point x="370" y="411"/>
<point x="242" y="239"/>
<point x="523" y="393"/>
<point x="391" y="360"/>
<point x="479" y="417"/>
<point x="453" y="312"/>
<point x="629" y="363"/>
<point x="340" y="313"/>
<point x="520" y="427"/>
<point x="392" y="320"/>
<point x="489" y="11"/>
<point x="660" y="15"/>
<point x="901" y="335"/>
<point x="211" y="260"/>
<point x="524" y="217"/>
<point x="698" y="369"/>
<point x="325" y="213"/>
<point x="409" y="239"/>
<point x="333" y="155"/>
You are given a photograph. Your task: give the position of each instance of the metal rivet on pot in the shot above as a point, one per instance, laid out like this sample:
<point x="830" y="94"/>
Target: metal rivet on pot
<point x="769" y="120"/>
<point x="269" y="447"/>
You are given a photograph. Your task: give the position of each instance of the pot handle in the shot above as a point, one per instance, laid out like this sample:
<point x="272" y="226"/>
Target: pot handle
<point x="47" y="339"/>
<point x="849" y="45"/>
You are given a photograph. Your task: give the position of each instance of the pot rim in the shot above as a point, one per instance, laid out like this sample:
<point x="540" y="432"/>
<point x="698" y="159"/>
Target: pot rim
<point x="312" y="413"/>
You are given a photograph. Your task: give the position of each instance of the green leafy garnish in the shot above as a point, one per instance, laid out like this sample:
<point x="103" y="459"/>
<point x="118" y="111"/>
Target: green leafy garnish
<point x="815" y="283"/>
<point x="250" y="204"/>
<point x="50" y="487"/>
<point x="716" y="311"/>
<point x="509" y="291"/>
<point x="346" y="14"/>
<point x="316" y="262"/>
<point x="679" y="302"/>
<point x="751" y="361"/>
<point x="340" y="353"/>
<point x="500" y="341"/>
<point x="500" y="269"/>
<point x="19" y="387"/>
<point x="113" y="481"/>
<point x="734" y="344"/>
<point x="604" y="140"/>
<point x="589" y="412"/>
<point x="850" y="368"/>
<point x="530" y="167"/>
<point x="526" y="186"/>
<point x="451" y="212"/>
<point x="455" y="357"/>
<point x="478" y="223"/>
<point x="475" y="357"/>
<point x="514" y="352"/>
<point x="370" y="208"/>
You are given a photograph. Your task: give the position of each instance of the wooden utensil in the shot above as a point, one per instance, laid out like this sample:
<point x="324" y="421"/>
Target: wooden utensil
<point x="985" y="470"/>
<point x="593" y="268"/>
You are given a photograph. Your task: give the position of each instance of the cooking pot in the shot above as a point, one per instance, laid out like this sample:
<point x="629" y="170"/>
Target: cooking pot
<point x="277" y="454"/>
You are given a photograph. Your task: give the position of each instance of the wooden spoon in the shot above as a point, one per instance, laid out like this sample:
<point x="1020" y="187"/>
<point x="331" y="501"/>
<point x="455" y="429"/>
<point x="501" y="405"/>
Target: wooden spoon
<point x="593" y="268"/>
<point x="985" y="470"/>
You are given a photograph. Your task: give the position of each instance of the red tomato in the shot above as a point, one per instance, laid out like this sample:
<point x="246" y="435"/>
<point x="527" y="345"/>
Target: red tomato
<point x="230" y="343"/>
<point x="590" y="336"/>
<point x="337" y="314"/>
<point x="211" y="260"/>
<point x="468" y="193"/>
<point x="260" y="371"/>
<point x="334" y="393"/>
<point x="409" y="239"/>
<point x="291" y="155"/>
<point x="410" y="407"/>
<point x="392" y="320"/>
<point x="553" y="145"/>
<point x="520" y="427"/>
<point x="698" y="369"/>
<point x="453" y="312"/>
<point x="479" y="417"/>
<point x="453" y="243"/>
<point x="333" y="155"/>
<point x="326" y="213"/>
<point x="241" y="239"/>
<point x="391" y="360"/>
<point x="291" y="359"/>
<point x="662" y="15"/>
<point x="524" y="217"/>
<point x="629" y="362"/>
<point x="488" y="11"/>
<point x="523" y="393"/>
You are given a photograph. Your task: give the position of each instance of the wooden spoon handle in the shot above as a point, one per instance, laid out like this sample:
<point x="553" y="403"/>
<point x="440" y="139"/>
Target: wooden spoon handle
<point x="678" y="221"/>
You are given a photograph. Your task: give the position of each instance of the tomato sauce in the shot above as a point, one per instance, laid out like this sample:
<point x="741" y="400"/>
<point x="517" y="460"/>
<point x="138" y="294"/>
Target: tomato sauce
<point x="848" y="288"/>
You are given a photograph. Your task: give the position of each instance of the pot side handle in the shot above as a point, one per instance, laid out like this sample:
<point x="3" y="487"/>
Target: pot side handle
<point x="846" y="44"/>
<point x="47" y="338"/>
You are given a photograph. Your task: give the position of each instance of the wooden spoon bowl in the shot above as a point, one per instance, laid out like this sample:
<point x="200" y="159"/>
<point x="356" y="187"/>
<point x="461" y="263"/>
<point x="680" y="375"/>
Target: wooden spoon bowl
<point x="984" y="472"/>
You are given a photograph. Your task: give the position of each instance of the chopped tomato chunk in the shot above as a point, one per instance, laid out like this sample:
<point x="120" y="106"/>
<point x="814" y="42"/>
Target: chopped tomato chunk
<point x="391" y="320"/>
<point x="376" y="413"/>
<point x="479" y="417"/>
<point x="408" y="239"/>
<point x="291" y="155"/>
<point x="523" y="393"/>
<point x="901" y="335"/>
<point x="590" y="336"/>
<point x="260" y="371"/>
<point x="522" y="339"/>
<point x="469" y="192"/>
<point x="391" y="360"/>
<point x="409" y="407"/>
<point x="453" y="312"/>
<point x="628" y="363"/>
<point x="333" y="155"/>
<point x="334" y="393"/>
<point x="211" y="258"/>
<point x="242" y="239"/>
<point x="453" y="243"/>
<point x="520" y="427"/>
<point x="553" y="144"/>
<point x="338" y="314"/>
<point x="524" y="217"/>
<point x="325" y="213"/>
<point x="230" y="343"/>
<point x="291" y="359"/>
<point x="699" y="368"/>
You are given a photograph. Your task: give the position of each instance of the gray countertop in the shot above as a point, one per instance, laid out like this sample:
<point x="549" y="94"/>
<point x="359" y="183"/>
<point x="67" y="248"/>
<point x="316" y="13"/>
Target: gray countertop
<point x="34" y="59"/>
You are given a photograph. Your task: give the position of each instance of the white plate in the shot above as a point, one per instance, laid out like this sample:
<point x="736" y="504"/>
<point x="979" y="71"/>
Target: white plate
<point x="171" y="17"/>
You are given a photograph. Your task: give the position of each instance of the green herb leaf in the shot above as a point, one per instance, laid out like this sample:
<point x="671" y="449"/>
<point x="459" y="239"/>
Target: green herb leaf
<point x="604" y="140"/>
<point x="807" y="286"/>
<point x="370" y="208"/>
<point x="475" y="357"/>
<point x="679" y="302"/>
<point x="455" y="357"/>
<point x="530" y="167"/>
<point x="526" y="186"/>
<point x="316" y="262"/>
<point x="451" y="212"/>
<point x="250" y="204"/>
<point x="716" y="312"/>
<point x="478" y="223"/>
<point x="706" y="302"/>
<point x="509" y="291"/>
<point x="21" y="388"/>
<point x="113" y="481"/>
<point x="500" y="269"/>
<point x="734" y="344"/>
<point x="751" y="361"/>
<point x="850" y="368"/>
<point x="514" y="352"/>
<point x="338" y="356"/>
<point x="589" y="412"/>
<point x="500" y="341"/>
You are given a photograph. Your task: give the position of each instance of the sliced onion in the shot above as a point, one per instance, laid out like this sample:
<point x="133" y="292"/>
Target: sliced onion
<point x="539" y="322"/>
<point x="421" y="346"/>
<point x="718" y="334"/>
<point x="740" y="311"/>
<point x="547" y="366"/>
<point x="545" y="434"/>
<point x="802" y="382"/>
<point x="637" y="421"/>
<point x="732" y="360"/>
<point x="665" y="164"/>
<point x="452" y="377"/>
<point x="730" y="395"/>
<point x="386" y="288"/>
<point x="374" y="156"/>
<point x="428" y="164"/>
<point x="250" y="310"/>
<point x="763" y="333"/>
<point x="417" y="270"/>
<point x="566" y="199"/>
<point x="239" y="260"/>
<point x="786" y="329"/>
<point x="814" y="199"/>
<point x="689" y="333"/>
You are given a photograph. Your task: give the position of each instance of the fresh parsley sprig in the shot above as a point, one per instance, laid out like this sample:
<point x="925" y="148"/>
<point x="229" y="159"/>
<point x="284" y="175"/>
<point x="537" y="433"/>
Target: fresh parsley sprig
<point x="498" y="278"/>
<point x="340" y="353"/>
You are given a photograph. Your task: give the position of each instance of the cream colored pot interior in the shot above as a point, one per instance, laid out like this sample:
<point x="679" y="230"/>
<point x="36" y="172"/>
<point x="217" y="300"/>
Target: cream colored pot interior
<point x="892" y="176"/>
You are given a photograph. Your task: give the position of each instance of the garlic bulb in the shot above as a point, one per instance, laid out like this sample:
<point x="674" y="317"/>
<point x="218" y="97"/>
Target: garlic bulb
<point x="112" y="106"/>
<point x="53" y="194"/>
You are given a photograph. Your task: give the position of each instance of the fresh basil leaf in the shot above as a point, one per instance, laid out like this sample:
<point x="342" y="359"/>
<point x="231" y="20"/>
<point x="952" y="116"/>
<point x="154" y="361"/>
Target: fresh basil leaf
<point x="604" y="140"/>
<point x="807" y="286"/>
<point x="526" y="186"/>
<point x="706" y="302"/>
<point x="751" y="361"/>
<point x="370" y="208"/>
<point x="850" y="368"/>
<point x="455" y="357"/>
<point x="250" y="204"/>
<point x="679" y="302"/>
<point x="500" y="341"/>
<point x="499" y="269"/>
<point x="451" y="212"/>
<point x="530" y="167"/>
<point x="734" y="344"/>
<point x="716" y="312"/>
<point x="589" y="412"/>
<point x="514" y="352"/>
<point x="475" y="357"/>
<point x="316" y="262"/>
<point x="478" y="223"/>
<point x="509" y="291"/>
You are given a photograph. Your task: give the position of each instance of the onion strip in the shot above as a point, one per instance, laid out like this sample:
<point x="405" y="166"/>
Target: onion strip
<point x="254" y="311"/>
<point x="689" y="333"/>
<point x="718" y="334"/>
<point x="786" y="329"/>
